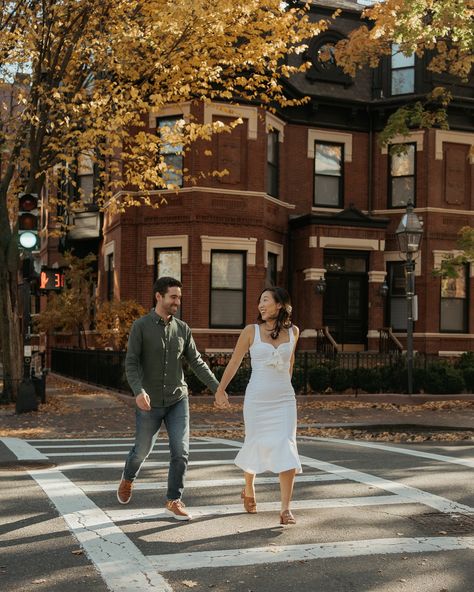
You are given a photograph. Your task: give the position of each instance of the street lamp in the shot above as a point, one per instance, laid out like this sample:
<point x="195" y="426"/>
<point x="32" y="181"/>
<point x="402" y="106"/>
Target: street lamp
<point x="409" y="233"/>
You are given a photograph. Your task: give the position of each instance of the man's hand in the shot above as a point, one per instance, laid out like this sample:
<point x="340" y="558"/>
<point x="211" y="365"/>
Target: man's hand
<point x="143" y="401"/>
<point x="222" y="400"/>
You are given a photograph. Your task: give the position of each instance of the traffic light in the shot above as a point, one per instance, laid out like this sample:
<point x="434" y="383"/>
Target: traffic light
<point x="28" y="215"/>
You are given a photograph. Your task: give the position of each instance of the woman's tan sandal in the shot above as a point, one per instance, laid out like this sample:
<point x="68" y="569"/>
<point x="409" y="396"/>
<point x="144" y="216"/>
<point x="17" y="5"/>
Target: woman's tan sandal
<point x="250" y="504"/>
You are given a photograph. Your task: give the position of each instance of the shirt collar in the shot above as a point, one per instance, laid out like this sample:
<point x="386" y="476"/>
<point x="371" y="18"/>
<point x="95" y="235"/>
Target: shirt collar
<point x="156" y="317"/>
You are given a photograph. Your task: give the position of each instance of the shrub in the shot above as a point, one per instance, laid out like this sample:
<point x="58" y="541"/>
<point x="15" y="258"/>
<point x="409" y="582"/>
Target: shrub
<point x="319" y="378"/>
<point x="297" y="379"/>
<point x="341" y="379"/>
<point x="368" y="379"/>
<point x="466" y="360"/>
<point x="468" y="374"/>
<point x="239" y="383"/>
<point x="441" y="378"/>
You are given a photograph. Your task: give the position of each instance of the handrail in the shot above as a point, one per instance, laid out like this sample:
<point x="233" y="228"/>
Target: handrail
<point x="388" y="343"/>
<point x="325" y="342"/>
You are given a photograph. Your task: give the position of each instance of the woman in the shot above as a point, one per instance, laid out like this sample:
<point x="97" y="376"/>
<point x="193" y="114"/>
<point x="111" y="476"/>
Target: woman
<point x="270" y="405"/>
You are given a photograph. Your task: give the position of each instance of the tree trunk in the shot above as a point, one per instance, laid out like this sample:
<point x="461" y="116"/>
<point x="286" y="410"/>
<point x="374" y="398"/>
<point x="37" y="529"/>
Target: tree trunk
<point x="10" y="326"/>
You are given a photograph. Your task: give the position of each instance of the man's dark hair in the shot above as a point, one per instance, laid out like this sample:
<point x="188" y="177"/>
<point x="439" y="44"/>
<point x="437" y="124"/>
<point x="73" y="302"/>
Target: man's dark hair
<point x="162" y="285"/>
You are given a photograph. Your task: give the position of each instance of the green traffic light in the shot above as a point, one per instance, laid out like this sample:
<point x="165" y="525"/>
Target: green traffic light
<point x="28" y="240"/>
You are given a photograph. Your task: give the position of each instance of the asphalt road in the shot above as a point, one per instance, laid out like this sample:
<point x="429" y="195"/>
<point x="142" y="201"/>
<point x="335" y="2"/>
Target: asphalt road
<point x="370" y="517"/>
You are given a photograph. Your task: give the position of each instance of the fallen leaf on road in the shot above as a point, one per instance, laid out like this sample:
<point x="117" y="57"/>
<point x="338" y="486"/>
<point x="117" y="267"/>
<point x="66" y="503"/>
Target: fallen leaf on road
<point x="78" y="552"/>
<point x="442" y="532"/>
<point x="190" y="583"/>
<point x="39" y="581"/>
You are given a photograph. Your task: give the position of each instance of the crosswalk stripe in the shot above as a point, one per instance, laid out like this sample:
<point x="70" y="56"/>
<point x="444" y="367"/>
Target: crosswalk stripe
<point x="76" y="466"/>
<point x="124" y="453"/>
<point x="277" y="554"/>
<point x="113" y="445"/>
<point x="130" y="514"/>
<point x="105" y="487"/>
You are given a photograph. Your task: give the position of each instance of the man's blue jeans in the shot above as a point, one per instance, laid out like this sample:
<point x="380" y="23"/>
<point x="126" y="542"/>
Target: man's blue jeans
<point x="148" y="423"/>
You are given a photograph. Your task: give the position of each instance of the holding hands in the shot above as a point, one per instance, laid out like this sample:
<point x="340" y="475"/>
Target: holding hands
<point x="221" y="399"/>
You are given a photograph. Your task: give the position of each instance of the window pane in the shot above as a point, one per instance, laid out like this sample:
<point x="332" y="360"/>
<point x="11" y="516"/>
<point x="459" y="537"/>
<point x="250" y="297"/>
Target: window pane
<point x="168" y="129"/>
<point x="403" y="191"/>
<point x="86" y="183"/>
<point x="169" y="263"/>
<point x="227" y="308"/>
<point x="227" y="270"/>
<point x="328" y="159"/>
<point x="272" y="180"/>
<point x="272" y="147"/>
<point x="403" y="164"/>
<point x="271" y="279"/>
<point x="326" y="190"/>
<point x="454" y="287"/>
<point x="174" y="173"/>
<point x="403" y="81"/>
<point x="399" y="60"/>
<point x="398" y="314"/>
<point x="452" y="314"/>
<point x="397" y="279"/>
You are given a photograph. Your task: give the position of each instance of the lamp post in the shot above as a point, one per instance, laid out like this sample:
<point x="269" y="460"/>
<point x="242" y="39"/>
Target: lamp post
<point x="409" y="233"/>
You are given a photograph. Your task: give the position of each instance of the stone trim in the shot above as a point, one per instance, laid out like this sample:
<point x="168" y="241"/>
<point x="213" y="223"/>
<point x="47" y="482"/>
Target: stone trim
<point x="183" y="109"/>
<point x="109" y="249"/>
<point x="377" y="277"/>
<point x="328" y="136"/>
<point x="390" y="256"/>
<point x="225" y="110"/>
<point x="228" y="243"/>
<point x="272" y="122"/>
<point x="455" y="138"/>
<point x="314" y="273"/>
<point x="354" y="244"/>
<point x="412" y="137"/>
<point x="277" y="249"/>
<point x="167" y="242"/>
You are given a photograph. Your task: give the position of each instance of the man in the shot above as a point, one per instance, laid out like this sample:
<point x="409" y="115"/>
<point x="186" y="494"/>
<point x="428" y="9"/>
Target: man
<point x="157" y="343"/>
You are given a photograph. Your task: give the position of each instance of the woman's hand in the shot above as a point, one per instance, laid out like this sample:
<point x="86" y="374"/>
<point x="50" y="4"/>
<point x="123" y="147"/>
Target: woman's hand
<point x="221" y="400"/>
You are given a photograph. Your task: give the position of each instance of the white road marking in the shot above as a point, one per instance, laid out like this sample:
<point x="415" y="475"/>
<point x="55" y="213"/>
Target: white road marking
<point x="275" y="554"/>
<point x="129" y="514"/>
<point x="22" y="450"/>
<point x="467" y="462"/>
<point x="74" y="466"/>
<point x="104" y="487"/>
<point x="121" y="564"/>
<point x="114" y="445"/>
<point x="124" y="453"/>
<point x="405" y="491"/>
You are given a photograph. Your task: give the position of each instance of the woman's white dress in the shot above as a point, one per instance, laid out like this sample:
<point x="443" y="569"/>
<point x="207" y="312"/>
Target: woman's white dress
<point x="269" y="410"/>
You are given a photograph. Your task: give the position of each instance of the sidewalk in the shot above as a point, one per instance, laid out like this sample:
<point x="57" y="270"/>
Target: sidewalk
<point x="78" y="410"/>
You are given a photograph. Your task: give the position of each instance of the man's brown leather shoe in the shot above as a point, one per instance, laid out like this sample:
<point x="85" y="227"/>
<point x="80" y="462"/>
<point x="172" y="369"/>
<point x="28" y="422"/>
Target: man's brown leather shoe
<point x="124" y="491"/>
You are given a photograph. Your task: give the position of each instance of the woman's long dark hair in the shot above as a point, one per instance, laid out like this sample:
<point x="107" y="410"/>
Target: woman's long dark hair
<point x="283" y="320"/>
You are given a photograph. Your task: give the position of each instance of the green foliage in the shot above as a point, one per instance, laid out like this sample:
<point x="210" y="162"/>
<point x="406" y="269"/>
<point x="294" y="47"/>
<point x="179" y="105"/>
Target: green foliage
<point x="466" y="360"/>
<point x="297" y="379"/>
<point x="468" y="375"/>
<point x="239" y="383"/>
<point x="341" y="379"/>
<point x="443" y="379"/>
<point x="319" y="378"/>
<point x="368" y="379"/>
<point x="195" y="386"/>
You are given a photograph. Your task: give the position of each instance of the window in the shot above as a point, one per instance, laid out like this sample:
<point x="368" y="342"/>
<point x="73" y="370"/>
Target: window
<point x="168" y="263"/>
<point x="110" y="276"/>
<point x="85" y="177"/>
<point x="272" y="261"/>
<point x="273" y="168"/>
<point x="402" y="72"/>
<point x="227" y="289"/>
<point x="322" y="56"/>
<point x="328" y="174"/>
<point x="454" y="299"/>
<point x="171" y="152"/>
<point x="402" y="178"/>
<point x="397" y="302"/>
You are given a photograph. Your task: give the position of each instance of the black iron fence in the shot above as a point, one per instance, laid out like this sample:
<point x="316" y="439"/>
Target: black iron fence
<point x="106" y="368"/>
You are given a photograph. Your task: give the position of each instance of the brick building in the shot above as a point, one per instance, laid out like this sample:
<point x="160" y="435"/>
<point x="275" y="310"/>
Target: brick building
<point x="309" y="196"/>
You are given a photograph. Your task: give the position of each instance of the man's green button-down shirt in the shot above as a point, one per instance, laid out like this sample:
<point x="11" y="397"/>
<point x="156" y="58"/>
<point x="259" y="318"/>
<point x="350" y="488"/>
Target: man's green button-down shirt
<point x="153" y="361"/>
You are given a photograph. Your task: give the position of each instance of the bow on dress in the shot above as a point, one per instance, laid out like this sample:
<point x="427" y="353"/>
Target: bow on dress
<point x="276" y="361"/>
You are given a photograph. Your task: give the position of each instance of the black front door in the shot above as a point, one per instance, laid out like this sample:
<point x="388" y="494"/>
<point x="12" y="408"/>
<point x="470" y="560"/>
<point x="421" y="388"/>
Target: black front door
<point x="345" y="306"/>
